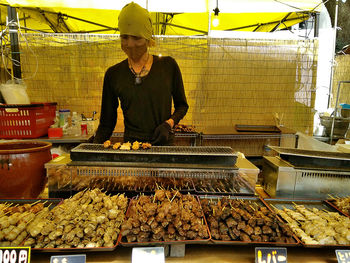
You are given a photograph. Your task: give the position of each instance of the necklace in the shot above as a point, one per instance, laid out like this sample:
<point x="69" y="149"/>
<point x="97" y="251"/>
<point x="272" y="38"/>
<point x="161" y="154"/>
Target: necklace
<point x="138" y="79"/>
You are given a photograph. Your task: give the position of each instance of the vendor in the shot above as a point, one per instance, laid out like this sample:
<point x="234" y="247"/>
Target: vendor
<point x="144" y="84"/>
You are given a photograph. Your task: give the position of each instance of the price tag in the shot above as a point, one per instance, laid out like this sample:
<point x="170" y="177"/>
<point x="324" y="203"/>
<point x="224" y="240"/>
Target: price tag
<point x="68" y="259"/>
<point x="270" y="255"/>
<point x="343" y="256"/>
<point x="14" y="254"/>
<point x="148" y="255"/>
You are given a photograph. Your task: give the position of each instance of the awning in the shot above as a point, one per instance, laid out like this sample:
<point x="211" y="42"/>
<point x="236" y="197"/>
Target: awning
<point x="181" y="17"/>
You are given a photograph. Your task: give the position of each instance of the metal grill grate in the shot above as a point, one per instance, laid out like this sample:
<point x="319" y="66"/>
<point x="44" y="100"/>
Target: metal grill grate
<point x="144" y="172"/>
<point x="164" y="150"/>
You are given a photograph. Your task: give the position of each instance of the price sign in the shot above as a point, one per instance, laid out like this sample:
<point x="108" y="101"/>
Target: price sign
<point x="14" y="254"/>
<point x="68" y="259"/>
<point x="343" y="256"/>
<point x="148" y="255"/>
<point x="270" y="255"/>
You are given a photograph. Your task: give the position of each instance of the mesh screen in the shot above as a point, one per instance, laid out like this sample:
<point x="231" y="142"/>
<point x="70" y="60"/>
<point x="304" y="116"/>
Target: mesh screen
<point x="227" y="81"/>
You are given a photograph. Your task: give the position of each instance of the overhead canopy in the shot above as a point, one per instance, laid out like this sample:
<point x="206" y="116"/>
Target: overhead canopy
<point x="180" y="17"/>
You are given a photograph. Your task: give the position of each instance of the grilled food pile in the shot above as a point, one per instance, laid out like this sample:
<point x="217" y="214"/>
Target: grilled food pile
<point x="88" y="219"/>
<point x="127" y="145"/>
<point x="240" y="220"/>
<point x="184" y="128"/>
<point x="225" y="185"/>
<point x="317" y="227"/>
<point x="166" y="216"/>
<point x="133" y="183"/>
<point x="343" y="204"/>
<point x="17" y="221"/>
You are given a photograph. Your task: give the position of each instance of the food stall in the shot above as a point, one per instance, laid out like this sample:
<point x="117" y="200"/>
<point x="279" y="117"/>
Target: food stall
<point x="199" y="200"/>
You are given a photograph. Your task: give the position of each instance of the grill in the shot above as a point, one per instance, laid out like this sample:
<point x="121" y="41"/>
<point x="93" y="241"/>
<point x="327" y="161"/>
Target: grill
<point x="136" y="171"/>
<point x="157" y="154"/>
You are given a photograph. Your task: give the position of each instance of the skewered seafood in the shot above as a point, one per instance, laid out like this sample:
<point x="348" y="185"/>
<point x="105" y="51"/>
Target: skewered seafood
<point x="168" y="215"/>
<point x="135" y="145"/>
<point x="116" y="145"/>
<point x="15" y="222"/>
<point x="106" y="144"/>
<point x="343" y="204"/>
<point x="88" y="219"/>
<point x="314" y="226"/>
<point x="239" y="220"/>
<point x="125" y="146"/>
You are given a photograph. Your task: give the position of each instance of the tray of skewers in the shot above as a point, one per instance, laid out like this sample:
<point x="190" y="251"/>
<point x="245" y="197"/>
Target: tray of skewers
<point x="315" y="222"/>
<point x="340" y="203"/>
<point x="133" y="185"/>
<point x="167" y="217"/>
<point x="244" y="221"/>
<point x="88" y="221"/>
<point x="18" y="218"/>
<point x="222" y="186"/>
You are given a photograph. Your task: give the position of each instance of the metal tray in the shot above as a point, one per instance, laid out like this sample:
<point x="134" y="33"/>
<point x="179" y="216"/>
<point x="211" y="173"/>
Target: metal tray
<point x="314" y="159"/>
<point x="160" y="243"/>
<point x="88" y="152"/>
<point x="259" y="202"/>
<point x="332" y="204"/>
<point x="308" y="203"/>
<point x="227" y="186"/>
<point x="52" y="202"/>
<point x="257" y="128"/>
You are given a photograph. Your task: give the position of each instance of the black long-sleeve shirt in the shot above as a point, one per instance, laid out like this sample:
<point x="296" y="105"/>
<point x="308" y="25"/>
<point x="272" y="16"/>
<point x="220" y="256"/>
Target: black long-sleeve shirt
<point x="146" y="105"/>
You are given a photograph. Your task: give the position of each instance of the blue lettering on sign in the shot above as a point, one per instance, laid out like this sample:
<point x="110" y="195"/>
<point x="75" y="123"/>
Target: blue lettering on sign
<point x="343" y="256"/>
<point x="68" y="259"/>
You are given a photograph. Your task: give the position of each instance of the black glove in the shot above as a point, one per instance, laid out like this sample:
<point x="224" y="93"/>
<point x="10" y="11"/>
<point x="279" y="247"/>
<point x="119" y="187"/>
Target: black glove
<point x="161" y="134"/>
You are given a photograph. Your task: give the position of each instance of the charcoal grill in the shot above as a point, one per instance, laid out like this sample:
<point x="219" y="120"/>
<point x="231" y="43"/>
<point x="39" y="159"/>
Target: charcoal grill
<point x="298" y="173"/>
<point x="157" y="154"/>
<point x="93" y="165"/>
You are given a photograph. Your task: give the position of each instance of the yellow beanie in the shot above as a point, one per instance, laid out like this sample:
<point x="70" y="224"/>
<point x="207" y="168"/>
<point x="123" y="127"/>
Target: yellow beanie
<point x="135" y="21"/>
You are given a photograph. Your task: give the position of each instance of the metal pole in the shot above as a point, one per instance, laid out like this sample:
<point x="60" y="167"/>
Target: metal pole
<point x="15" y="54"/>
<point x="333" y="58"/>
<point x="317" y="24"/>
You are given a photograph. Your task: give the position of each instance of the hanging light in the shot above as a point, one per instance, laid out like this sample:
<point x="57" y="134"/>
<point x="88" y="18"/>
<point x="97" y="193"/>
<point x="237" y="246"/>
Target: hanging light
<point x="216" y="21"/>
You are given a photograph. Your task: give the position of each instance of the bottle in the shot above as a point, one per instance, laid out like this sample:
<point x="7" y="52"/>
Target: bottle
<point x="76" y="130"/>
<point x="63" y="117"/>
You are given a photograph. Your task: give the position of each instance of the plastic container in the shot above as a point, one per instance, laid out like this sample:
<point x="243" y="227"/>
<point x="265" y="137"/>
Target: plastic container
<point x="26" y="121"/>
<point x="75" y="128"/>
<point x="63" y="118"/>
<point x="55" y="132"/>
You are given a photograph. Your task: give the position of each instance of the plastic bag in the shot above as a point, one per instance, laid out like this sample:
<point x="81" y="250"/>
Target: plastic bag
<point x="15" y="92"/>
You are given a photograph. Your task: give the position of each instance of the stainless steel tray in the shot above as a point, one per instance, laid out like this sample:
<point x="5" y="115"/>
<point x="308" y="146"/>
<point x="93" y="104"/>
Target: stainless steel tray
<point x="308" y="203"/>
<point x="124" y="243"/>
<point x="314" y="159"/>
<point x="52" y="202"/>
<point x="259" y="202"/>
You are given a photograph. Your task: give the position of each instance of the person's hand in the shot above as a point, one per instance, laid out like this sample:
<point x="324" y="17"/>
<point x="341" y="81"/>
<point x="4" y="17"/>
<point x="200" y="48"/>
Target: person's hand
<point x="161" y="134"/>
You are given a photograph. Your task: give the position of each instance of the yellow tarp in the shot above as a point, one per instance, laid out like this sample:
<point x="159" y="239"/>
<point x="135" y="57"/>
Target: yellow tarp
<point x="182" y="17"/>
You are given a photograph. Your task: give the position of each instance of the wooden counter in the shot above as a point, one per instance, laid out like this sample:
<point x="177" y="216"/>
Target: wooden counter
<point x="208" y="253"/>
